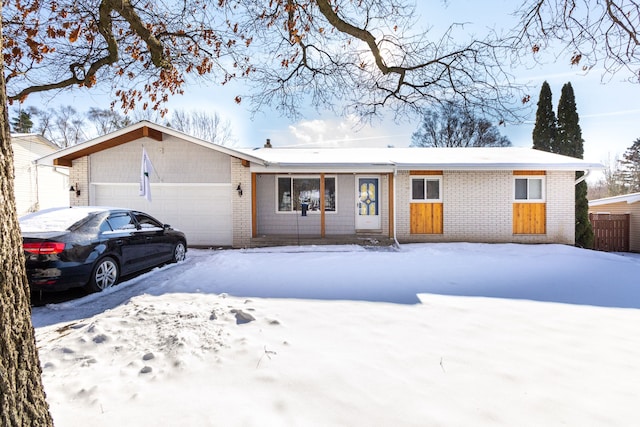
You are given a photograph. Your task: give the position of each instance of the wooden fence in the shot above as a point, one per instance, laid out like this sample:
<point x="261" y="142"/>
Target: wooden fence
<point x="611" y="232"/>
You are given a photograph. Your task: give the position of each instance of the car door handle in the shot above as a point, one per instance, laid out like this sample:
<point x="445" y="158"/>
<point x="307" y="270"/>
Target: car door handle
<point x="119" y="242"/>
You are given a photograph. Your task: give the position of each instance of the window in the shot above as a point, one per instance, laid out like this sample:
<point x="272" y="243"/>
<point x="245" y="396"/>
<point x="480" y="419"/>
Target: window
<point x="426" y="189"/>
<point x="531" y="189"/>
<point x="121" y="221"/>
<point x="146" y="222"/>
<point x="293" y="191"/>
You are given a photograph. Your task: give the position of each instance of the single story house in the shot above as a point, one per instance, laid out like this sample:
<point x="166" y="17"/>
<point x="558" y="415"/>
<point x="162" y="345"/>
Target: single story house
<point x="628" y="204"/>
<point x="37" y="186"/>
<point x="220" y="196"/>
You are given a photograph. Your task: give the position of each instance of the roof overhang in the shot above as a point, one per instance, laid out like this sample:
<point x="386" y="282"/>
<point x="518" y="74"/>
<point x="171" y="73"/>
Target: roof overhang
<point x="625" y="198"/>
<point x="283" y="160"/>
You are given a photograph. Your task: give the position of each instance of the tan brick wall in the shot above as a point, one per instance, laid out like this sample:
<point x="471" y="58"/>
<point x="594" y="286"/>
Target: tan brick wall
<point x="478" y="208"/>
<point x="79" y="175"/>
<point x="241" y="205"/>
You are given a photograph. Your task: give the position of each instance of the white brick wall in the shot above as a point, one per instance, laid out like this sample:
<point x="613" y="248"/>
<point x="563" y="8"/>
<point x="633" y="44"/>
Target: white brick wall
<point x="478" y="207"/>
<point x="79" y="175"/>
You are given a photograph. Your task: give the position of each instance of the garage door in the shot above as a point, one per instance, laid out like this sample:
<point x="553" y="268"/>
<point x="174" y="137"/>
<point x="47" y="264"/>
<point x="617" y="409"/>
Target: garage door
<point x="201" y="211"/>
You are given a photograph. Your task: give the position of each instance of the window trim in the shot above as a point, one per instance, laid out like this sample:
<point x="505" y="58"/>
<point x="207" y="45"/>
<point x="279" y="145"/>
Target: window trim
<point x="306" y="176"/>
<point x="426" y="178"/>
<point x="543" y="184"/>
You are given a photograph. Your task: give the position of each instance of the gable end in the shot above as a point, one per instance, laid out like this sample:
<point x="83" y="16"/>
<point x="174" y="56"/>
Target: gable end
<point x="133" y="135"/>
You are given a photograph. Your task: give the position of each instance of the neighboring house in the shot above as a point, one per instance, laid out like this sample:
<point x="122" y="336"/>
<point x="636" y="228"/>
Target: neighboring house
<point x="628" y="204"/>
<point x="37" y="186"/>
<point x="233" y="197"/>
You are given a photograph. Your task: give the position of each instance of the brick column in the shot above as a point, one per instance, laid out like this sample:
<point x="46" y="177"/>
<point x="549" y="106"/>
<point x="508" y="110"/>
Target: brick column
<point x="241" y="205"/>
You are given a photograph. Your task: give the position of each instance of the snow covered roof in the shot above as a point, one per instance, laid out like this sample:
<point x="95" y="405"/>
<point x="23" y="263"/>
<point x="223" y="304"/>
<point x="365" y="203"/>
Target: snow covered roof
<point x="628" y="198"/>
<point x="485" y="158"/>
<point x="33" y="137"/>
<point x="342" y="159"/>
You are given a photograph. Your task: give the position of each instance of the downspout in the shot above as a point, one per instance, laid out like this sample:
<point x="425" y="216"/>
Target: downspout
<point x="583" y="177"/>
<point x="37" y="204"/>
<point x="395" y="205"/>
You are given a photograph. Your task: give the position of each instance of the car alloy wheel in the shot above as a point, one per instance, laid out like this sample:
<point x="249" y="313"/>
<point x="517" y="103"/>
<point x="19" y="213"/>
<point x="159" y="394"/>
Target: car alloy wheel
<point x="179" y="252"/>
<point x="105" y="274"/>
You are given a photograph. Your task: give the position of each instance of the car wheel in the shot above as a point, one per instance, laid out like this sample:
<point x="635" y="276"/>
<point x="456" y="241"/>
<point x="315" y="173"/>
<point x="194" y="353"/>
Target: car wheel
<point x="179" y="252"/>
<point x="105" y="274"/>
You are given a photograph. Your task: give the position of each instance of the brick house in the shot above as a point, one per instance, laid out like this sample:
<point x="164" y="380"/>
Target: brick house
<point x="245" y="197"/>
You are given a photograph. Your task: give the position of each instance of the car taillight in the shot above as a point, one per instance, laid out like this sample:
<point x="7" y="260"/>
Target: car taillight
<point x="44" y="248"/>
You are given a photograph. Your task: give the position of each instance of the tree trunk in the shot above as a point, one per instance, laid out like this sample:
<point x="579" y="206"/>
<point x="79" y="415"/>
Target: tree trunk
<point x="22" y="397"/>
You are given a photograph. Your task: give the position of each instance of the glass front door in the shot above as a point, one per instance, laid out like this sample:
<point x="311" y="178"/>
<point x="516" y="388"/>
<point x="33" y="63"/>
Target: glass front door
<point x="367" y="203"/>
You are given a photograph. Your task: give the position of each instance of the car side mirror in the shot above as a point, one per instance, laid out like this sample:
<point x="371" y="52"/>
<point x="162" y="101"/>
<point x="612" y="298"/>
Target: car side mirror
<point x="166" y="226"/>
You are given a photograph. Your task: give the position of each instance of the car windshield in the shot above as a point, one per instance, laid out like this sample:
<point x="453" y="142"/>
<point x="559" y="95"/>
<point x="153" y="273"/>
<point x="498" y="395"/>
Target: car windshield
<point x="53" y="219"/>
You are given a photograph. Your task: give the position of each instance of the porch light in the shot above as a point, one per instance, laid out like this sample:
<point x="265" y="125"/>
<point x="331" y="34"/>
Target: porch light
<point x="239" y="190"/>
<point x="75" y="189"/>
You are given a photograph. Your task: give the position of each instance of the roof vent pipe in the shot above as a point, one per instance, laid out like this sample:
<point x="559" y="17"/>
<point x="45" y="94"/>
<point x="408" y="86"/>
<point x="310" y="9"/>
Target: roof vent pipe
<point x="268" y="144"/>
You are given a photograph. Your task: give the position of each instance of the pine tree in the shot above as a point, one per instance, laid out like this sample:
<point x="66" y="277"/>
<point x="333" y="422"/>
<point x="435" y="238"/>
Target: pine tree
<point x="569" y="142"/>
<point x="22" y="123"/>
<point x="544" y="132"/>
<point x="630" y="168"/>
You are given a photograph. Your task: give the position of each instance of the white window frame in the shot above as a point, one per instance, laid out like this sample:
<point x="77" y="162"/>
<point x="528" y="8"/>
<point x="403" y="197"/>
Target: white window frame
<point x="426" y="178"/>
<point x="310" y="212"/>
<point x="543" y="190"/>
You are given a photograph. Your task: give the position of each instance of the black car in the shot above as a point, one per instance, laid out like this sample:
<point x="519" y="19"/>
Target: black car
<point x="94" y="246"/>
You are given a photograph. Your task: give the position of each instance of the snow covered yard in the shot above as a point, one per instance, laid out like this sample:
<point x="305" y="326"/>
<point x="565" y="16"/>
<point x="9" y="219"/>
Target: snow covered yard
<point x="430" y="335"/>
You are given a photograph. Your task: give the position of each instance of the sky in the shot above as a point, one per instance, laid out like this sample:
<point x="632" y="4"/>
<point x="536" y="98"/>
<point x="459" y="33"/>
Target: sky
<point x="444" y="334"/>
<point x="609" y="112"/>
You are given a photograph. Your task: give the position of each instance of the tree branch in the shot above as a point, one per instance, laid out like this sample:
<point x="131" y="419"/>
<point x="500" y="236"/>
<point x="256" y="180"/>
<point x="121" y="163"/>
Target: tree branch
<point x="84" y="75"/>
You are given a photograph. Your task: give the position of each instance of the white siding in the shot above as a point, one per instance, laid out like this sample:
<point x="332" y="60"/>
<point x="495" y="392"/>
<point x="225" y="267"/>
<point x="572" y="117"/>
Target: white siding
<point x="37" y="187"/>
<point x="201" y="211"/>
<point x="174" y="161"/>
<point x="191" y="186"/>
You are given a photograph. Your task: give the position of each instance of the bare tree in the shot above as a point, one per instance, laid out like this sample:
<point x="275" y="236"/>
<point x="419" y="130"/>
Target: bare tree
<point x="367" y="55"/>
<point x="68" y="127"/>
<point x="451" y="125"/>
<point x="590" y="33"/>
<point x="106" y="120"/>
<point x="203" y="125"/>
<point x="611" y="183"/>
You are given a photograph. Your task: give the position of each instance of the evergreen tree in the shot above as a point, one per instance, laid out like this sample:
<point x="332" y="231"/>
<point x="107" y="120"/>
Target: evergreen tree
<point x="569" y="135"/>
<point x="630" y="168"/>
<point x="544" y="132"/>
<point x="22" y="123"/>
<point x="569" y="142"/>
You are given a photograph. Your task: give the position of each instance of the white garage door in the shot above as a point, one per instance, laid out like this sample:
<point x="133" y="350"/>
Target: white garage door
<point x="201" y="211"/>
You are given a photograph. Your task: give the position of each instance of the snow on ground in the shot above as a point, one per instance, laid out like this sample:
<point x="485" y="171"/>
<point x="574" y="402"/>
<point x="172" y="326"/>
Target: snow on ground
<point x="428" y="335"/>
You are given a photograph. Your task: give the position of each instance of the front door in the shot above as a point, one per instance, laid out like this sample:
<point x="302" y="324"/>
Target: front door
<point x="367" y="203"/>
